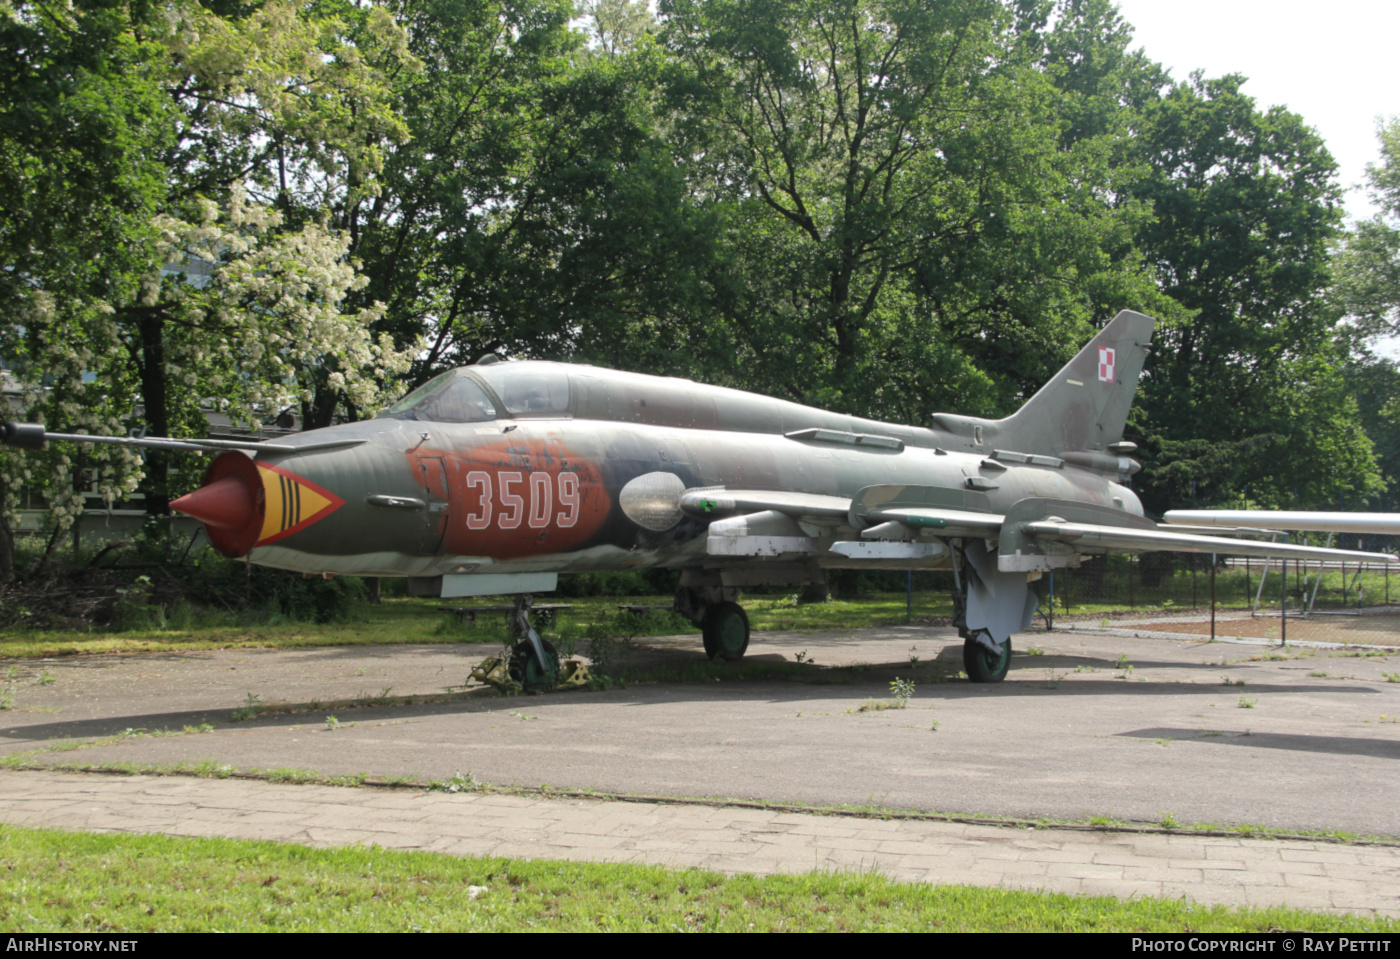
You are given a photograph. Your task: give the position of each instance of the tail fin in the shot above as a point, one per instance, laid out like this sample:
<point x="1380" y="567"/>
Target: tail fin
<point x="1083" y="407"/>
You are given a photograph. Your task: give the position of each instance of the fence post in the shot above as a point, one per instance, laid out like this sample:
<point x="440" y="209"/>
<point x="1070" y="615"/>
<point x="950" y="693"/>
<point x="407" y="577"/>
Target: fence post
<point x="1212" y="597"/>
<point x="1132" y="604"/>
<point x="1050" y="619"/>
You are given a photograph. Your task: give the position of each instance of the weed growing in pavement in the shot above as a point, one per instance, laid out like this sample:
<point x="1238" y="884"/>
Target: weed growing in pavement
<point x="901" y="690"/>
<point x="1233" y="682"/>
<point x="45" y="678"/>
<point x="1391" y="677"/>
<point x="459" y="782"/>
<point x="252" y="706"/>
<point x="1034" y="651"/>
<point x="1247" y="703"/>
<point x="332" y="722"/>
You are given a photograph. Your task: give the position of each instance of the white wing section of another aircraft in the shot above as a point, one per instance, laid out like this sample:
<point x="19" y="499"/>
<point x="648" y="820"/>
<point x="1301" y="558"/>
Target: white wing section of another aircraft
<point x="1321" y="521"/>
<point x="1122" y="538"/>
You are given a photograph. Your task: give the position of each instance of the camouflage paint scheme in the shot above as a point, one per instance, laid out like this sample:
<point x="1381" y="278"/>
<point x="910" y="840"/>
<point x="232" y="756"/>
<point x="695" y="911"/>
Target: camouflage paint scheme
<point x="620" y="426"/>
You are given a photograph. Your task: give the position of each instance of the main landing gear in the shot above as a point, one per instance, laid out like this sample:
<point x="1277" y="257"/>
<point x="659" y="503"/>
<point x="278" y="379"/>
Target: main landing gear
<point x="726" y="631"/>
<point x="703" y="599"/>
<point x="984" y="665"/>
<point x="984" y="660"/>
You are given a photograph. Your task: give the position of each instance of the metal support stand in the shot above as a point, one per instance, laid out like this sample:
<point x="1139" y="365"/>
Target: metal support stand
<point x="1321" y="565"/>
<point x="1212" y="597"/>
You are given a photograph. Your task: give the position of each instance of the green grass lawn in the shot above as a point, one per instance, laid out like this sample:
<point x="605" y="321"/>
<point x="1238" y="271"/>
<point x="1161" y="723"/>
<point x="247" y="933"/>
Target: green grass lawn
<point x="53" y="881"/>
<point x="402" y="620"/>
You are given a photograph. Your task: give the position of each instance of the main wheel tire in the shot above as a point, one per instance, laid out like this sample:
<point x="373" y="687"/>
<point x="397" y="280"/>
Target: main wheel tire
<point x="526" y="670"/>
<point x="983" y="665"/>
<point x="726" y="632"/>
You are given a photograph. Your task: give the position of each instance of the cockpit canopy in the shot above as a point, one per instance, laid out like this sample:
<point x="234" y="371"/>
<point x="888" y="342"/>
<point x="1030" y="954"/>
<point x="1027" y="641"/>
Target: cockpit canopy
<point x="479" y="393"/>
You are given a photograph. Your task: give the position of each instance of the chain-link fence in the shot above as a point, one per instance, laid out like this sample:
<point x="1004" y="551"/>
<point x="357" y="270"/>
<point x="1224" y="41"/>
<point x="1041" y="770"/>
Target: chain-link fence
<point x="1318" y="601"/>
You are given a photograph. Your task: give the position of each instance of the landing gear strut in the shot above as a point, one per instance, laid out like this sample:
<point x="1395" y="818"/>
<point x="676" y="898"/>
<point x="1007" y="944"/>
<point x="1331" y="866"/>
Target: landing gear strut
<point x="984" y="660"/>
<point x="702" y="598"/>
<point x="533" y="663"/>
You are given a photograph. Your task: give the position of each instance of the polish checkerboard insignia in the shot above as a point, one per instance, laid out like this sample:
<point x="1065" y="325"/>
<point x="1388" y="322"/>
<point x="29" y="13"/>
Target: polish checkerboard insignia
<point x="1106" y="356"/>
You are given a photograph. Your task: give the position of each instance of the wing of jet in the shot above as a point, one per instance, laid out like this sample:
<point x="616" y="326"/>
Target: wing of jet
<point x="1322" y="521"/>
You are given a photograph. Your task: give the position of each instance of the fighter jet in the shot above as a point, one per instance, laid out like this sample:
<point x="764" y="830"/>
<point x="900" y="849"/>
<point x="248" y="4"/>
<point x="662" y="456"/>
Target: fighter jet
<point x="494" y="478"/>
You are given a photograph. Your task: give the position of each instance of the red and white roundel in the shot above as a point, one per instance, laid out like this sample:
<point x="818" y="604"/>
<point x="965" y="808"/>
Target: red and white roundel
<point x="1106" y="354"/>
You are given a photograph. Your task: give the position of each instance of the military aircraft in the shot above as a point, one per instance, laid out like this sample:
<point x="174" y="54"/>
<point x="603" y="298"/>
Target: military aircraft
<point x="494" y="478"/>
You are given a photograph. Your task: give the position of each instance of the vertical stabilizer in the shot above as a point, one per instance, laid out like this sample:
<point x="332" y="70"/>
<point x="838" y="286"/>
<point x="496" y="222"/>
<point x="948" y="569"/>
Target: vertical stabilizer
<point x="1085" y="405"/>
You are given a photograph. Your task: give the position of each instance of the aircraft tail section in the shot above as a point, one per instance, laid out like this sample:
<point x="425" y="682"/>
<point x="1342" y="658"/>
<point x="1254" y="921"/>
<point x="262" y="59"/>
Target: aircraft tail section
<point x="1083" y="407"/>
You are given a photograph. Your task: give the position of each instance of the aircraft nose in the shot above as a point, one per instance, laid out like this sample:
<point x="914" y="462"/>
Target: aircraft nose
<point x="225" y="504"/>
<point x="245" y="503"/>
<point x="231" y="504"/>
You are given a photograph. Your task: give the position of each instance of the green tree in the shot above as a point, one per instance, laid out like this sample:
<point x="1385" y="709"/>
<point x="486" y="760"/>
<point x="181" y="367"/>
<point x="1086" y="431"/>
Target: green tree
<point x="136" y="270"/>
<point x="1368" y="268"/>
<point x="913" y="224"/>
<point x="538" y="207"/>
<point x="1247" y="392"/>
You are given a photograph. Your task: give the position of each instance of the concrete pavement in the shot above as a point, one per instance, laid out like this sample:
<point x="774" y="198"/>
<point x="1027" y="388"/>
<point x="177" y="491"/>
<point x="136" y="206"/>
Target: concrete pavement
<point x="1086" y="725"/>
<point x="1208" y="870"/>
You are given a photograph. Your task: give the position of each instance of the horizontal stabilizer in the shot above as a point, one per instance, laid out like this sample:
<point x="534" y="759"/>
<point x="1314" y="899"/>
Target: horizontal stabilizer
<point x="1017" y="551"/>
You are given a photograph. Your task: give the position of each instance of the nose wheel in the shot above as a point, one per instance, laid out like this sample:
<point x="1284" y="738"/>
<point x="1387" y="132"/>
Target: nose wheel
<point x="527" y="670"/>
<point x="533" y="662"/>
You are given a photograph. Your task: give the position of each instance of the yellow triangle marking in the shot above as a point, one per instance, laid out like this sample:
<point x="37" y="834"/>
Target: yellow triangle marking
<point x="288" y="503"/>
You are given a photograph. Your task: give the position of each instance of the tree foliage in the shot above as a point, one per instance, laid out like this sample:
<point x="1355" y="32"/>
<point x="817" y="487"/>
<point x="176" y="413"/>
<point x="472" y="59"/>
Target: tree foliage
<point x="138" y="269"/>
<point x="1247" y="389"/>
<point x="885" y="207"/>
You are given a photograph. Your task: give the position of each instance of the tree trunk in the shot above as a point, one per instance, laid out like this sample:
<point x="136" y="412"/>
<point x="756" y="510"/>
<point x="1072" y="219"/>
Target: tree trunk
<point x="157" y="483"/>
<point x="7" y="552"/>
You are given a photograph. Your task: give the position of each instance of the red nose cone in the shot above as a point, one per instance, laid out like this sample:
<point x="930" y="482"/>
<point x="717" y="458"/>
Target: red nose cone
<point x="224" y="504"/>
<point x="231" y="504"/>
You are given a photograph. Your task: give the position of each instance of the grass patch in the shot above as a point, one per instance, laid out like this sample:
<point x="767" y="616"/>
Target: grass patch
<point x="53" y="881"/>
<point x="411" y="620"/>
